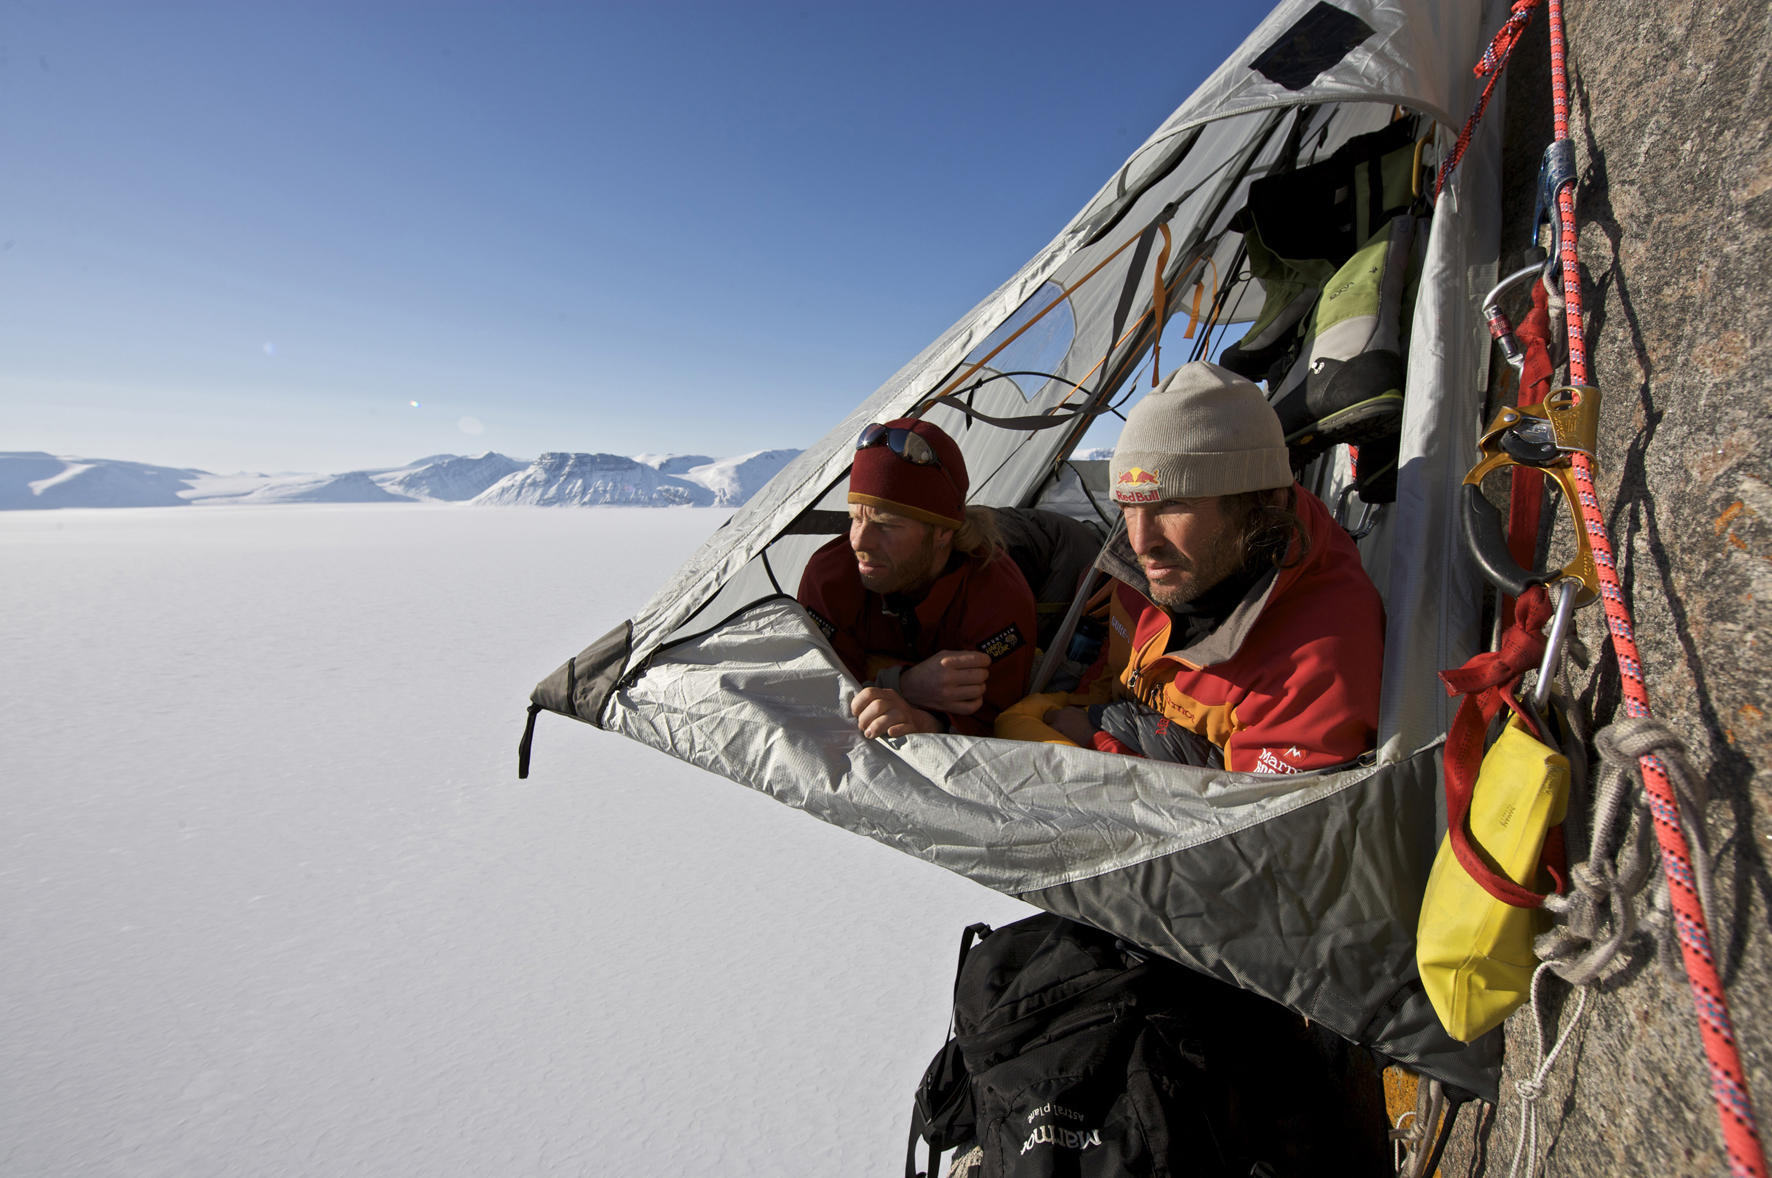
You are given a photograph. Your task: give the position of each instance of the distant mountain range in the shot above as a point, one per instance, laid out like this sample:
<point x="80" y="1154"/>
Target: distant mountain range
<point x="36" y="480"/>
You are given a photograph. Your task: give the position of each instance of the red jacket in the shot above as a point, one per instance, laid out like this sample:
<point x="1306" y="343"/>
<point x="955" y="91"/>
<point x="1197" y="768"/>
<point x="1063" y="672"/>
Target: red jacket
<point x="1288" y="682"/>
<point x="972" y="605"/>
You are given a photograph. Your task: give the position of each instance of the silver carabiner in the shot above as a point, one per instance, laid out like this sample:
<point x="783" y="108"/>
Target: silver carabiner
<point x="1567" y="590"/>
<point x="1501" y="328"/>
<point x="1370" y="514"/>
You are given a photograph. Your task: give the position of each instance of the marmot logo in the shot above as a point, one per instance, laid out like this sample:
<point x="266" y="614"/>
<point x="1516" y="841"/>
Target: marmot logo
<point x="1074" y="1139"/>
<point x="1270" y="762"/>
<point x="999" y="645"/>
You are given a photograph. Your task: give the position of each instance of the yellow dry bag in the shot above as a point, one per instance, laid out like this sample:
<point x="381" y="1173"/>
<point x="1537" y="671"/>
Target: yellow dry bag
<point x="1474" y="949"/>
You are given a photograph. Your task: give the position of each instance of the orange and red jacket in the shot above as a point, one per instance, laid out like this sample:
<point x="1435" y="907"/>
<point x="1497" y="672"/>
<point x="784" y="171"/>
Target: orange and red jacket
<point x="972" y="605"/>
<point x="1288" y="682"/>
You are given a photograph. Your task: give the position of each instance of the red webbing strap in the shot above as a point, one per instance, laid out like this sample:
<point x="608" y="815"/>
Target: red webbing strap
<point x="1526" y="503"/>
<point x="1487" y="683"/>
<point x="1494" y="61"/>
<point x="1741" y="1135"/>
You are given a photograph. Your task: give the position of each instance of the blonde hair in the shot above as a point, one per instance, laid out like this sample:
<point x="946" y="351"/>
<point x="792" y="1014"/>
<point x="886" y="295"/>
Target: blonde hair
<point x="978" y="536"/>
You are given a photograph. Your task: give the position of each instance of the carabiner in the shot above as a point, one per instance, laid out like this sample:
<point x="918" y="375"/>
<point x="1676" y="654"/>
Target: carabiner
<point x="1555" y="639"/>
<point x="1556" y="170"/>
<point x="1501" y="328"/>
<point x="1543" y="437"/>
<point x="1370" y="513"/>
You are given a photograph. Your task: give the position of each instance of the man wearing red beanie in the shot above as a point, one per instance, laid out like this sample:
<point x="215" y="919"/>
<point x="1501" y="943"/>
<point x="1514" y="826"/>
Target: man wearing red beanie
<point x="920" y="600"/>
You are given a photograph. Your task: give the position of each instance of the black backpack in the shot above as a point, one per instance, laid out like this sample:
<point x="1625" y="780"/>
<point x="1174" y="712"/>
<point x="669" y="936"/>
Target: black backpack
<point x="1075" y="1055"/>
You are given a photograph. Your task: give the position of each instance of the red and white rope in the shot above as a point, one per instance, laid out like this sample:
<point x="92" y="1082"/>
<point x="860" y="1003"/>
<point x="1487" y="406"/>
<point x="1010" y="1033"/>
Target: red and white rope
<point x="1494" y="62"/>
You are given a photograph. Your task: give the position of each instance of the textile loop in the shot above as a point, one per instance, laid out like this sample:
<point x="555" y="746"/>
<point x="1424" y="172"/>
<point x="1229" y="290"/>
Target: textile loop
<point x="1531" y="1089"/>
<point x="1535" y="336"/>
<point x="1482" y="679"/>
<point x="1580" y="946"/>
<point x="1160" y="305"/>
<point x="1487" y="683"/>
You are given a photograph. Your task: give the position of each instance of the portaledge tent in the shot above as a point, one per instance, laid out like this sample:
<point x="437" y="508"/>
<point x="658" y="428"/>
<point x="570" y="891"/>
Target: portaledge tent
<point x="1306" y="888"/>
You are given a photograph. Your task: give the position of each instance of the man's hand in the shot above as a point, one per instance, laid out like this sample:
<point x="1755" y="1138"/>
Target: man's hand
<point x="880" y="711"/>
<point x="1072" y="724"/>
<point x="952" y="681"/>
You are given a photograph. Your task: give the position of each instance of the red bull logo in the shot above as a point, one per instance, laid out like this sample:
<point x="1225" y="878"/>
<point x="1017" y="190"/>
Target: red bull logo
<point x="1136" y="485"/>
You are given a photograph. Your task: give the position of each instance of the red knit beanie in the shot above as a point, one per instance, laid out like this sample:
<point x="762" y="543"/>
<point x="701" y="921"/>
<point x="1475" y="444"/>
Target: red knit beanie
<point x="934" y="494"/>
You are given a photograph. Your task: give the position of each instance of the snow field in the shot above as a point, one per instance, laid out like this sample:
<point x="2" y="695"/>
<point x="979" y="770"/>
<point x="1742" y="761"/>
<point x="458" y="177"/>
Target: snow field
<point x="275" y="903"/>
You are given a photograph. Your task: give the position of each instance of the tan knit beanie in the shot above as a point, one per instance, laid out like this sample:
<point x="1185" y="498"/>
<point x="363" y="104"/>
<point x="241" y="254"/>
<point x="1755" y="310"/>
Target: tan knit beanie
<point x="1205" y="432"/>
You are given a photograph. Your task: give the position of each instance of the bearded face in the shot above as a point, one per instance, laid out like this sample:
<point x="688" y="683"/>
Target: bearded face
<point x="1185" y="546"/>
<point x="894" y="554"/>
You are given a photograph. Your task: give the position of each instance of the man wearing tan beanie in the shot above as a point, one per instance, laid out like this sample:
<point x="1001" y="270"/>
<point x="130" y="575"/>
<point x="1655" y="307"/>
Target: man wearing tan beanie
<point x="1244" y="633"/>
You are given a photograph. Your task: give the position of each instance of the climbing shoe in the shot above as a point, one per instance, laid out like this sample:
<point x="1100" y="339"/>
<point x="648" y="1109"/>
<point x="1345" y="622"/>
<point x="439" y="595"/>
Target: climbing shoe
<point x="1352" y="401"/>
<point x="1348" y="385"/>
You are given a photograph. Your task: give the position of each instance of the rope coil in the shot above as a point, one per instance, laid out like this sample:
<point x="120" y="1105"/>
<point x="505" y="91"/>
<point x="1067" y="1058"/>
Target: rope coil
<point x="1596" y="919"/>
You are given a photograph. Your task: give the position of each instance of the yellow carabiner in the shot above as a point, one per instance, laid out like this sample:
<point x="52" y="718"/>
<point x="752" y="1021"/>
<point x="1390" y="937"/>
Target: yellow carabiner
<point x="1543" y="437"/>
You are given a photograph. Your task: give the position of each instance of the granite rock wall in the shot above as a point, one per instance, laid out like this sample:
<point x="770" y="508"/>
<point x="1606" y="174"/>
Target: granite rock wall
<point x="1671" y="114"/>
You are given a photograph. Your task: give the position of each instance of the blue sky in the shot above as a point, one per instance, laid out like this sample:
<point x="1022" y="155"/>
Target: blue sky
<point x="252" y="235"/>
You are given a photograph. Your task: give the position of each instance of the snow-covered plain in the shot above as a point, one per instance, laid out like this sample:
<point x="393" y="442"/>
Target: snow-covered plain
<point x="275" y="903"/>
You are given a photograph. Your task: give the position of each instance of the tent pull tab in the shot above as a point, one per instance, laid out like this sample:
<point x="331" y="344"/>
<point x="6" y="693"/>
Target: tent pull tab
<point x="1544" y="436"/>
<point x="1160" y="305"/>
<point x="523" y="745"/>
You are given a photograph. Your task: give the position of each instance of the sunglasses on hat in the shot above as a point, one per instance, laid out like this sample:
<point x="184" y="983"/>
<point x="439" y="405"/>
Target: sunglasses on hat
<point x="906" y="443"/>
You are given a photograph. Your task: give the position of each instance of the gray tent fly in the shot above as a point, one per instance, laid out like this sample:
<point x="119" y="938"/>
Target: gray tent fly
<point x="1304" y="889"/>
